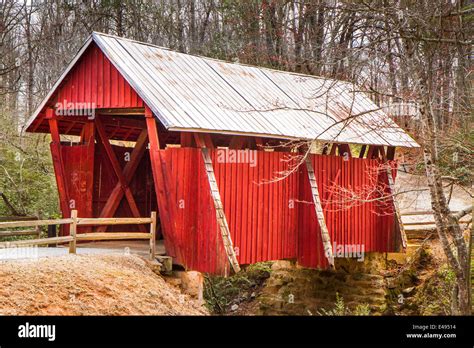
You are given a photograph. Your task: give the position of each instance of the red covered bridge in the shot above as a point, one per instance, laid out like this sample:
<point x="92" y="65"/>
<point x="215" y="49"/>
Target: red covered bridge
<point x="211" y="146"/>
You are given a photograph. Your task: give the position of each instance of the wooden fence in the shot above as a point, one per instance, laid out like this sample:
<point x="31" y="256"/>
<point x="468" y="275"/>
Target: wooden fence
<point x="430" y="221"/>
<point x="73" y="237"/>
<point x="36" y="231"/>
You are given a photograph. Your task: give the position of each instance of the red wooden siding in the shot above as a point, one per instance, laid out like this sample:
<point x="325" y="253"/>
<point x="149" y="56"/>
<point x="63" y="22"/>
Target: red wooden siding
<point x="263" y="224"/>
<point x="261" y="212"/>
<point x="267" y="220"/>
<point x="78" y="168"/>
<point x="95" y="80"/>
<point x="195" y="242"/>
<point x="141" y="186"/>
<point x="349" y="221"/>
<point x="90" y="186"/>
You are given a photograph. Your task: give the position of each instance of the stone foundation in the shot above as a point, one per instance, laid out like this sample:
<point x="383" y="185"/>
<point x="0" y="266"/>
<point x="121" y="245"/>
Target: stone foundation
<point x="293" y="290"/>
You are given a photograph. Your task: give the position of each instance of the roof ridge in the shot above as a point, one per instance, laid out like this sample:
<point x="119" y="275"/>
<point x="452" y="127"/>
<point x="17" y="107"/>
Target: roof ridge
<point x="221" y="60"/>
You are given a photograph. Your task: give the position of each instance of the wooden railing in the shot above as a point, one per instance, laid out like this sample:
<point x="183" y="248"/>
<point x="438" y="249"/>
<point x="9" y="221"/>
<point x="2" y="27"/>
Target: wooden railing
<point x="464" y="220"/>
<point x="36" y="231"/>
<point x="73" y="237"/>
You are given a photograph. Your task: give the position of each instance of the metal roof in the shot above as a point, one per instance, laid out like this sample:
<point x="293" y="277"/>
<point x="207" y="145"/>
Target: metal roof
<point x="193" y="93"/>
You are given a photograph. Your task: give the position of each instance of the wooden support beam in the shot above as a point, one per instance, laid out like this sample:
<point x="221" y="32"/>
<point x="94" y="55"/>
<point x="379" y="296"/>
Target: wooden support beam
<point x="372" y="152"/>
<point x="203" y="140"/>
<point x="88" y="133"/>
<point x="325" y="149"/>
<point x="362" y="151"/>
<point x="108" y="210"/>
<point x="390" y="153"/>
<point x="120" y="111"/>
<point x="252" y="145"/>
<point x="71" y="126"/>
<point x="89" y="141"/>
<point x="108" y="121"/>
<point x="237" y="142"/>
<point x="382" y="153"/>
<point x="167" y="212"/>
<point x="216" y="196"/>
<point x="259" y="143"/>
<point x="344" y="148"/>
<point x="186" y="139"/>
<point x="58" y="165"/>
<point x="326" y="239"/>
<point x="333" y="150"/>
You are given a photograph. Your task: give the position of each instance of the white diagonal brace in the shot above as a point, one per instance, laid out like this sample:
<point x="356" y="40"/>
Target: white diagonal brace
<point x="221" y="219"/>
<point x="319" y="213"/>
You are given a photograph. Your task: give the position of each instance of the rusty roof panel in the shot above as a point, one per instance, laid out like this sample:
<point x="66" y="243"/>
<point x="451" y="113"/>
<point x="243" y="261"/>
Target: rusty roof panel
<point x="193" y="93"/>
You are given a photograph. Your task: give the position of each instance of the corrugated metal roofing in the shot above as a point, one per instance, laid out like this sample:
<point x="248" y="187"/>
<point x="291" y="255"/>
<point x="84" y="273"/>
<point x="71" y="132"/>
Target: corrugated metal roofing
<point x="193" y="93"/>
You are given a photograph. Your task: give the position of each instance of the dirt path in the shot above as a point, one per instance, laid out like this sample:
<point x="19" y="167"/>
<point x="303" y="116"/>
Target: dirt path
<point x="89" y="285"/>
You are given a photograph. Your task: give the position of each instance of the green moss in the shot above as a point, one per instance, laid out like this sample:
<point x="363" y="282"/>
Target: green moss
<point x="221" y="292"/>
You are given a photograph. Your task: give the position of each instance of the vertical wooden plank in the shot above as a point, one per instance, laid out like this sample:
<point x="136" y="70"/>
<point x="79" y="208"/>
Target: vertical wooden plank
<point x="260" y="203"/>
<point x="73" y="232"/>
<point x="113" y="86"/>
<point x="264" y="202"/>
<point x="253" y="198"/>
<point x="100" y="78"/>
<point x="165" y="209"/>
<point x="244" y="217"/>
<point x="94" y="70"/>
<point x="107" y="80"/>
<point x="58" y="165"/>
<point x="153" y="235"/>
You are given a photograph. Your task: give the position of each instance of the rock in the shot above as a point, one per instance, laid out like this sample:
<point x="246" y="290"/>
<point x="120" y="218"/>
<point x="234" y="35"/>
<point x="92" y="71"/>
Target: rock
<point x="391" y="283"/>
<point x="192" y="283"/>
<point x="281" y="264"/>
<point x="154" y="265"/>
<point x="173" y="281"/>
<point x="408" y="290"/>
<point x="234" y="307"/>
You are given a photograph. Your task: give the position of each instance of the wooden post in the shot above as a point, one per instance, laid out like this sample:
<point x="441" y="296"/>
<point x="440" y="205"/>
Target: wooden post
<point x="73" y="230"/>
<point x="153" y="235"/>
<point x="58" y="165"/>
<point x="52" y="234"/>
<point x="165" y="200"/>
